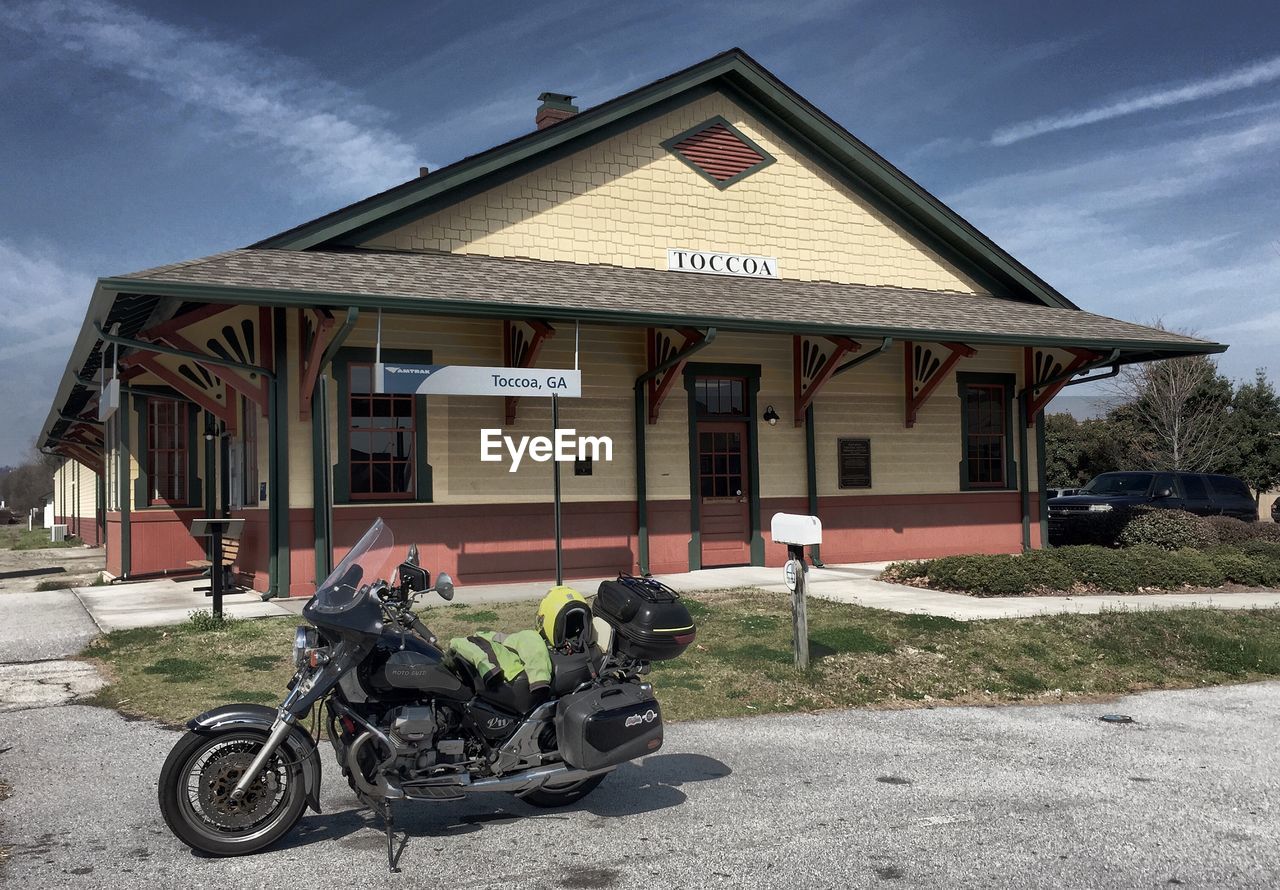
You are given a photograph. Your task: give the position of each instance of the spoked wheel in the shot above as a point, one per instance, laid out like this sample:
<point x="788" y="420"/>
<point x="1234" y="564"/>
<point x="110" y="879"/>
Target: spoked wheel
<point x="563" y="795"/>
<point x="195" y="793"/>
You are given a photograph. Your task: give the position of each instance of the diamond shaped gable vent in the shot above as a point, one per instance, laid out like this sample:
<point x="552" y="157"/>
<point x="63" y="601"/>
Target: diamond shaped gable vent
<point x="719" y="152"/>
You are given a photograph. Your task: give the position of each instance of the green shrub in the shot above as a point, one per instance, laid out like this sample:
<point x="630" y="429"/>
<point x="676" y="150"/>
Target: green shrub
<point x="1267" y="531"/>
<point x="1186" y="568"/>
<point x="1168" y="530"/>
<point x="906" y="570"/>
<point x="1046" y="572"/>
<point x="980" y="575"/>
<point x="1230" y="530"/>
<point x="1100" y="567"/>
<point x="1242" y="567"/>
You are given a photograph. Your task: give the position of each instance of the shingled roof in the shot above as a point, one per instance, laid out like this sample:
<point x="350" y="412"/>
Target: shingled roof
<point x="468" y="284"/>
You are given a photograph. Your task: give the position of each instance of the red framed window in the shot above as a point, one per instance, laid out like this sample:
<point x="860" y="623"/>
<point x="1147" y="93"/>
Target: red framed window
<point x="167" y="453"/>
<point x="986" y="435"/>
<point x="380" y="439"/>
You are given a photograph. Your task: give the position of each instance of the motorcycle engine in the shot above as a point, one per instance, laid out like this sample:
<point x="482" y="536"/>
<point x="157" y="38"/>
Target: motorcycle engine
<point x="425" y="737"/>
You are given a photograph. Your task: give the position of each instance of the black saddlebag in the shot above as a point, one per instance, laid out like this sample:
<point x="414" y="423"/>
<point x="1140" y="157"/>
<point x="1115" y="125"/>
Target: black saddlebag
<point x="648" y="620"/>
<point x="608" y="725"/>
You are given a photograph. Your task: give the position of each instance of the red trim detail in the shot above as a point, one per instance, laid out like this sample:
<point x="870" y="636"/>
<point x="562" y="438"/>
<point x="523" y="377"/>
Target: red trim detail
<point x="804" y="395"/>
<point x="916" y="400"/>
<point x="659" y="389"/>
<point x="1035" y="403"/>
<point x="309" y="356"/>
<point x="541" y="333"/>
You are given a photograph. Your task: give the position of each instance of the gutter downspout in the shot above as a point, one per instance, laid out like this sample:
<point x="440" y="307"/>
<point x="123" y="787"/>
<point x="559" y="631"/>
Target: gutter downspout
<point x="852" y="363"/>
<point x="642" y="501"/>
<point x="272" y="422"/>
<point x="322" y="483"/>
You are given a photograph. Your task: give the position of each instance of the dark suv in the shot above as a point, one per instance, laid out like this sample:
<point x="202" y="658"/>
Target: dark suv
<point x="1205" y="494"/>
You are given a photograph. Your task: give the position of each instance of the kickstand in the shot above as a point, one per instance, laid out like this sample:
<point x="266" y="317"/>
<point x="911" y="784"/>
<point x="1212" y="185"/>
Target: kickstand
<point x="393" y="855"/>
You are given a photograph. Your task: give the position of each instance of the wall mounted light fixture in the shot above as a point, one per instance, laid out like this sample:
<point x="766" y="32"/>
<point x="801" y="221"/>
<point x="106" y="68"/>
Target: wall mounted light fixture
<point x="771" y="416"/>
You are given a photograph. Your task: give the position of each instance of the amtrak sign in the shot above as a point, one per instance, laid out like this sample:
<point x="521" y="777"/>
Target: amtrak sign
<point x="471" y="380"/>
<point x="708" y="262"/>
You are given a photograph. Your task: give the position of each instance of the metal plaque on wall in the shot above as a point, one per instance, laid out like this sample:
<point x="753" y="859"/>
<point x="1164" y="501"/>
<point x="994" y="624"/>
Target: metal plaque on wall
<point x="854" y="461"/>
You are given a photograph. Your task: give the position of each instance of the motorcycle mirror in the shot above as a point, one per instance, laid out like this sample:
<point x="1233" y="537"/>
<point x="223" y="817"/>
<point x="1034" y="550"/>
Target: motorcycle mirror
<point x="412" y="558"/>
<point x="444" y="586"/>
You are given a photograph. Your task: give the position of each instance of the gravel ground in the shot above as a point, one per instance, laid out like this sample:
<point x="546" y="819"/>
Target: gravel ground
<point x="1044" y="796"/>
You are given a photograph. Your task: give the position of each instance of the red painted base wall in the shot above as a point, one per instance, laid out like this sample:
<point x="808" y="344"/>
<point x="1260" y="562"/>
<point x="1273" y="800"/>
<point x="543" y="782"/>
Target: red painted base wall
<point x="85" y="528"/>
<point x="515" y="542"/>
<point x="160" y="542"/>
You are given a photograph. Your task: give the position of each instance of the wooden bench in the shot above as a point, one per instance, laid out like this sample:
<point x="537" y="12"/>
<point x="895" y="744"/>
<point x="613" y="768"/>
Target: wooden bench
<point x="230" y="550"/>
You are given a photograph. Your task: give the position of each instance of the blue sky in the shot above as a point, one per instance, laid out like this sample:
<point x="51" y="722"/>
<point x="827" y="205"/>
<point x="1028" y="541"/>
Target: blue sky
<point x="1127" y="152"/>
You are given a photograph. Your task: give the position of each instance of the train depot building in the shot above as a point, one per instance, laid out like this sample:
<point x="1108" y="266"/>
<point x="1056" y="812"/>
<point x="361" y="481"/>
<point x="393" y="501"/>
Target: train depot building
<point x="766" y="315"/>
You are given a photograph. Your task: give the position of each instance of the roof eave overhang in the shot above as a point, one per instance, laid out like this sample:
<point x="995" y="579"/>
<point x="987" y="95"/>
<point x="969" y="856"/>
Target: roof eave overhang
<point x="99" y="308"/>
<point x="418" y="305"/>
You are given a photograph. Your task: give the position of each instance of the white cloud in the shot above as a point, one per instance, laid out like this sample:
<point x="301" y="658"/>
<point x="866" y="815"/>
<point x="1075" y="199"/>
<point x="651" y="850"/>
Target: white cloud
<point x="1255" y="74"/>
<point x="42" y="299"/>
<point x="335" y="141"/>
<point x="1125" y="234"/>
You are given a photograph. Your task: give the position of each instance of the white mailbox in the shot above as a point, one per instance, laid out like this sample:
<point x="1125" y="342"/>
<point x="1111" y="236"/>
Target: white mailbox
<point x="792" y="528"/>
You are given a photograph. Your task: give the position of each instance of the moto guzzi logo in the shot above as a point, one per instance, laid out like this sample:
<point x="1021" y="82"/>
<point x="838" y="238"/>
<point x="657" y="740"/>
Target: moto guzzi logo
<point x="497" y="722"/>
<point x="647" y="717"/>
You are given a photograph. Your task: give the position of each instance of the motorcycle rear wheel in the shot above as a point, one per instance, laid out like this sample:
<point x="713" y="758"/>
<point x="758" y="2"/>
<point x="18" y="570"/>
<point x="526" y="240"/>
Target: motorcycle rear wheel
<point x="562" y="796"/>
<point x="195" y="787"/>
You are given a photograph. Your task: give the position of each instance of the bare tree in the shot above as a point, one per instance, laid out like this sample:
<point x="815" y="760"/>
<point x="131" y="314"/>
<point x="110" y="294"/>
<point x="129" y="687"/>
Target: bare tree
<point x="1179" y="414"/>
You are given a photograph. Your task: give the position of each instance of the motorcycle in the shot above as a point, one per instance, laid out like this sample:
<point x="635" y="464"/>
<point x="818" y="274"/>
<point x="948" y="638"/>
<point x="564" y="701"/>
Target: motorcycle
<point x="408" y="721"/>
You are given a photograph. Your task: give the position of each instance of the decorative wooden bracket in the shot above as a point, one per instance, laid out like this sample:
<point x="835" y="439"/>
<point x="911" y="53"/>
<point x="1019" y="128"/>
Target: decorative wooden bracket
<point x="192" y="381"/>
<point x="660" y="346"/>
<point x="231" y="333"/>
<point x="521" y="343"/>
<point x="924" y="370"/>
<point x="315" y="328"/>
<point x="1040" y="366"/>
<point x="813" y="364"/>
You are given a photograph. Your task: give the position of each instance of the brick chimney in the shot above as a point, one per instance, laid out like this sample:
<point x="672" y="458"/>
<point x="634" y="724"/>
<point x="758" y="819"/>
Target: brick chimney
<point x="555" y="107"/>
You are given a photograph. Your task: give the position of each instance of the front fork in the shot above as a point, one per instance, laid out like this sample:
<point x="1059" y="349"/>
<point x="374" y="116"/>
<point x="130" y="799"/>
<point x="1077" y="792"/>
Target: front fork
<point x="280" y="730"/>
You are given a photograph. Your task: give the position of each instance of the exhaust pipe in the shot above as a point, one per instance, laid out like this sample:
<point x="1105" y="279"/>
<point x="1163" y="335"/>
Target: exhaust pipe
<point x="517" y="783"/>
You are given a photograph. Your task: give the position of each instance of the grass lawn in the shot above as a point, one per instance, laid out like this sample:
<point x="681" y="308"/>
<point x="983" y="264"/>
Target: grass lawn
<point x="741" y="662"/>
<point x="16" y="537"/>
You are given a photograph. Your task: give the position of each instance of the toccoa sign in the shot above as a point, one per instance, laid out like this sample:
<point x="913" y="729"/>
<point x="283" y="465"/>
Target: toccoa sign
<point x="708" y="262"/>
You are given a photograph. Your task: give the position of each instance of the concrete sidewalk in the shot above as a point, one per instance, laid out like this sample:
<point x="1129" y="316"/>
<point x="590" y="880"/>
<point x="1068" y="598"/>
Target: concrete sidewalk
<point x="165" y="601"/>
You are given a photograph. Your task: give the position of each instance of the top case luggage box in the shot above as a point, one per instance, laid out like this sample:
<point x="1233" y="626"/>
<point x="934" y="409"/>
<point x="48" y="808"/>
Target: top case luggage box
<point x="648" y="619"/>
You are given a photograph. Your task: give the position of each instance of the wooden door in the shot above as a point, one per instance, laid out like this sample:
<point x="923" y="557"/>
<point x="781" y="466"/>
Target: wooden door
<point x="724" y="502"/>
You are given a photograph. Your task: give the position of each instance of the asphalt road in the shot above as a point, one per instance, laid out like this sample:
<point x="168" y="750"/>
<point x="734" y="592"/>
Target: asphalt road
<point x="1044" y="796"/>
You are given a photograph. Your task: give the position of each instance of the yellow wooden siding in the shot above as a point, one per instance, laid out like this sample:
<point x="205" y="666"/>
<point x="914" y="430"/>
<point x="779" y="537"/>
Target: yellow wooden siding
<point x="867" y="401"/>
<point x="627" y="199"/>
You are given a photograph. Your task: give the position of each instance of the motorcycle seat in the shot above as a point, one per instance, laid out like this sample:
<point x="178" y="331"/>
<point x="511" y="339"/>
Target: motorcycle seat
<point x="567" y="673"/>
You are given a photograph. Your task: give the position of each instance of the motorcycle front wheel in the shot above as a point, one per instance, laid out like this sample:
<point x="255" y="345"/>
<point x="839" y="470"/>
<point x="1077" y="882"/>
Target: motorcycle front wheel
<point x="195" y="793"/>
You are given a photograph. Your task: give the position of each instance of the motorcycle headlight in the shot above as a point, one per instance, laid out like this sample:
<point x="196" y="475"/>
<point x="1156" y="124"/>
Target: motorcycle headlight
<point x="304" y="638"/>
<point x="1099" y="508"/>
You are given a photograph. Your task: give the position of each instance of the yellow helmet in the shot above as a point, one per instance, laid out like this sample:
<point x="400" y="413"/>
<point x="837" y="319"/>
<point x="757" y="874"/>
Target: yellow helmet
<point x="564" y="619"/>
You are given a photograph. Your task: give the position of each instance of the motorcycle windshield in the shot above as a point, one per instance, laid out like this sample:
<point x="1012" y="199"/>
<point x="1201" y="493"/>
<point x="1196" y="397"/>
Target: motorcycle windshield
<point x="363" y="564"/>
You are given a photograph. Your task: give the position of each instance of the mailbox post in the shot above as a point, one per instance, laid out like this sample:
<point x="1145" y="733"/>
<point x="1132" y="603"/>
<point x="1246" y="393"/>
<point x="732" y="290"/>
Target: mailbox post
<point x="797" y="532"/>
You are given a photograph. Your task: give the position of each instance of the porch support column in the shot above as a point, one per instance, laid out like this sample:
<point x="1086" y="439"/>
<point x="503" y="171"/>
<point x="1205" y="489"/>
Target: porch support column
<point x="642" y="498"/>
<point x="321" y="465"/>
<point x="124" y="485"/>
<point x="811" y="466"/>
<point x="1024" y="471"/>
<point x="278" y="461"/>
